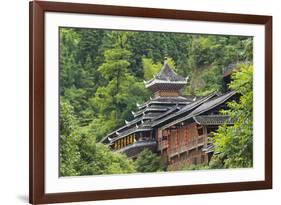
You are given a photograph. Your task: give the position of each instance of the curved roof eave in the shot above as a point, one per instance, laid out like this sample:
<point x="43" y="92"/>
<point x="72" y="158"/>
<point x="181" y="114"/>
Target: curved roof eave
<point x="197" y="111"/>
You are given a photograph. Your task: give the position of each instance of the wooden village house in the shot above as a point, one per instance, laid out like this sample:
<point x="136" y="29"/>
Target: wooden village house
<point x="177" y="128"/>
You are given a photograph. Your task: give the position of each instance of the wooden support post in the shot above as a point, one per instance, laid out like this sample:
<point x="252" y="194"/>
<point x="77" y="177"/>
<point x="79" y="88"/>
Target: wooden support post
<point x="185" y="137"/>
<point x="177" y="140"/>
<point x="168" y="145"/>
<point x="167" y="134"/>
<point x="205" y="132"/>
<point x="160" y="139"/>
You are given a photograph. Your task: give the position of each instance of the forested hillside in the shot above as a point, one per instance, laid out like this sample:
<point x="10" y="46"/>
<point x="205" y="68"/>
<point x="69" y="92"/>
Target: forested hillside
<point x="101" y="80"/>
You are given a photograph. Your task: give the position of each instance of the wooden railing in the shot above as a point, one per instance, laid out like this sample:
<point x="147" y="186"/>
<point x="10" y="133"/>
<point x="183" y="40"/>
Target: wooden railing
<point x="172" y="151"/>
<point x="138" y="144"/>
<point x="200" y="141"/>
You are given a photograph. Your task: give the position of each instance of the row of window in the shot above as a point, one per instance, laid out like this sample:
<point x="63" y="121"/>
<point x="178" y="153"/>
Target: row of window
<point x="124" y="142"/>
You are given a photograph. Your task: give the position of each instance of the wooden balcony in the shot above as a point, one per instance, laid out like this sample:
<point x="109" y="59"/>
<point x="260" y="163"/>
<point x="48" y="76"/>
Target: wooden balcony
<point x="134" y="149"/>
<point x="198" y="142"/>
<point x="172" y="151"/>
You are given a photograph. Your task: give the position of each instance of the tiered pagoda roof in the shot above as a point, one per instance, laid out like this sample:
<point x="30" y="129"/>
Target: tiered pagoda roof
<point x="166" y="79"/>
<point x="145" y="115"/>
<point x="157" y="107"/>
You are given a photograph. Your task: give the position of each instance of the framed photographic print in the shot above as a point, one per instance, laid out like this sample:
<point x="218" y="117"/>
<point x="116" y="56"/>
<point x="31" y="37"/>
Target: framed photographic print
<point x="139" y="102"/>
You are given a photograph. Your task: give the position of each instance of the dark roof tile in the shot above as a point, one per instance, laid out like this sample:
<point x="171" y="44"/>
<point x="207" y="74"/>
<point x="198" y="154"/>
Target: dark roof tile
<point x="166" y="73"/>
<point x="213" y="119"/>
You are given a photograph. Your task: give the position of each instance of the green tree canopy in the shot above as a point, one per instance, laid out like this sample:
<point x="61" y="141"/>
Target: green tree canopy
<point x="234" y="144"/>
<point x="69" y="138"/>
<point x="148" y="162"/>
<point x="115" y="100"/>
<point x="79" y="152"/>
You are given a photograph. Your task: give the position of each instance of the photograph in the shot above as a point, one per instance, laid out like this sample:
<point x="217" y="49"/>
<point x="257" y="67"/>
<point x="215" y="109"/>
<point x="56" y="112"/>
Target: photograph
<point x="129" y="102"/>
<point x="148" y="101"/>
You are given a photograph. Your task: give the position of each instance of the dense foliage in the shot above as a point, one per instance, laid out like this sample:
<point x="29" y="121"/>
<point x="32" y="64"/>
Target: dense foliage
<point x="148" y="162"/>
<point x="69" y="138"/>
<point x="79" y="152"/>
<point x="101" y="80"/>
<point x="234" y="144"/>
<point x="94" y="63"/>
